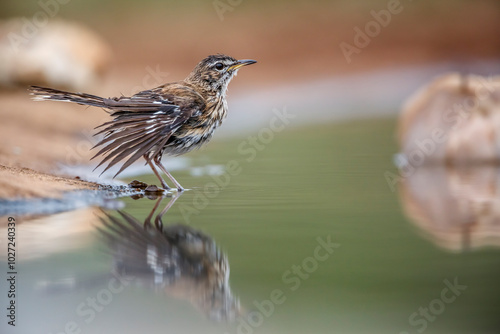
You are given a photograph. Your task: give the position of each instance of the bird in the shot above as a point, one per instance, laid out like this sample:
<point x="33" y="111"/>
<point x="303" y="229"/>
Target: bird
<point x="171" y="119"/>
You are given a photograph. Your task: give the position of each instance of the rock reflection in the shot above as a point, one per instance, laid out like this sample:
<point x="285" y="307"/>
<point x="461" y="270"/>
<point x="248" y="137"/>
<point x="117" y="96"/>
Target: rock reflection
<point x="457" y="208"/>
<point x="174" y="259"/>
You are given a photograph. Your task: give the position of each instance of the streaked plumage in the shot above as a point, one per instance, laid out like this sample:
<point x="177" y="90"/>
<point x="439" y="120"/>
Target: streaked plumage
<point x="171" y="119"/>
<point x="172" y="258"/>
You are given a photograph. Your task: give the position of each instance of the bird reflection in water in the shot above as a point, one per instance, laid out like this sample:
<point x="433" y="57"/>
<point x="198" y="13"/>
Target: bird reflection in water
<point x="174" y="259"/>
<point x="457" y="208"/>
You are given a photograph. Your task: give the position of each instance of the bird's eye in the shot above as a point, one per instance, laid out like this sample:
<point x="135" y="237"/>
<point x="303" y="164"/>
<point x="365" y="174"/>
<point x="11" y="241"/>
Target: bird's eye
<point x="219" y="66"/>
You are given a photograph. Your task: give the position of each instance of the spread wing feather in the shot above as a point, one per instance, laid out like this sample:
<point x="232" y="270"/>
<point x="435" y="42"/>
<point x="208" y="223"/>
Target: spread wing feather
<point x="141" y="127"/>
<point x="137" y="137"/>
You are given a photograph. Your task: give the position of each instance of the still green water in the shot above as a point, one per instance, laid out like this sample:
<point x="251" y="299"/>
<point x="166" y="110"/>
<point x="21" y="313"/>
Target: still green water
<point x="283" y="199"/>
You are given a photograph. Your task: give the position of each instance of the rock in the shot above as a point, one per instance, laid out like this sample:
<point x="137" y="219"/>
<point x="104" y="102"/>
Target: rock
<point x="57" y="54"/>
<point x="136" y="197"/>
<point x="457" y="208"/>
<point x="138" y="184"/>
<point x="152" y="189"/>
<point x="455" y="119"/>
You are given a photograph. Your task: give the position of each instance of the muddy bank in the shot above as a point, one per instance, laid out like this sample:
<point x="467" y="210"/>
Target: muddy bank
<point x="35" y="138"/>
<point x="28" y="183"/>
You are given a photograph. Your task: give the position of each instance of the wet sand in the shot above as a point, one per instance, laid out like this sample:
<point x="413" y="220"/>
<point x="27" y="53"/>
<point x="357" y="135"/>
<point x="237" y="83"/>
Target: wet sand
<point x="35" y="138"/>
<point x="26" y="183"/>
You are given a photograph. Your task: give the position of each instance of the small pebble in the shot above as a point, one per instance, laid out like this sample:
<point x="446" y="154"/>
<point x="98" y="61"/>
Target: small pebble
<point x="153" y="189"/>
<point x="152" y="196"/>
<point x="136" y="197"/>
<point x="138" y="184"/>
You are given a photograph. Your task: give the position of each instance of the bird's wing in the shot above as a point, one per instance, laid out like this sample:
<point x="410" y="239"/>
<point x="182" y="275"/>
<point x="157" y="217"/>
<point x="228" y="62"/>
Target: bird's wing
<point x="133" y="243"/>
<point x="145" y="101"/>
<point x="139" y="130"/>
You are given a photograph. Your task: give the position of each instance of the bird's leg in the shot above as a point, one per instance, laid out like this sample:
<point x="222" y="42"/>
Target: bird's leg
<point x="163" y="183"/>
<point x="147" y="221"/>
<point x="158" y="219"/>
<point x="177" y="184"/>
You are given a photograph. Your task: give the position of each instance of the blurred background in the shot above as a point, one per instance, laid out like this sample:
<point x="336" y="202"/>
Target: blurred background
<point x="293" y="40"/>
<point x="354" y="85"/>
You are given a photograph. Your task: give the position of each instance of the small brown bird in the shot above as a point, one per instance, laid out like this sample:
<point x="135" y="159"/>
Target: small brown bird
<point x="173" y="119"/>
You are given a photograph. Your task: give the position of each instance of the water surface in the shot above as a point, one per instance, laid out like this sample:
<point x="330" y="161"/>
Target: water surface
<point x="244" y="257"/>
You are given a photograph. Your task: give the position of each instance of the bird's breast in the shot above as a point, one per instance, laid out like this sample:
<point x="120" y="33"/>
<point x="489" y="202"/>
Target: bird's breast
<point x="198" y="130"/>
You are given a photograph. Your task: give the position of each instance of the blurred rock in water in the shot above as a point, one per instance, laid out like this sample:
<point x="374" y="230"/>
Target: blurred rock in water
<point x="57" y="53"/>
<point x="458" y="209"/>
<point x="455" y="119"/>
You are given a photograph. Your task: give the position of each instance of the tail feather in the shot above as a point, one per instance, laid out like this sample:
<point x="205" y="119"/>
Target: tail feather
<point x="118" y="105"/>
<point x="47" y="94"/>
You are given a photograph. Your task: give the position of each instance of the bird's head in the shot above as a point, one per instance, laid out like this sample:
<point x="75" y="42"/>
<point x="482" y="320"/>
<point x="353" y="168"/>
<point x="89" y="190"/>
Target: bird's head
<point x="215" y="72"/>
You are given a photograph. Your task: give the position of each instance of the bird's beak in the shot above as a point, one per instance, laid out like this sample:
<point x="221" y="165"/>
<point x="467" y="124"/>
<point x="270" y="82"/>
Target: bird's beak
<point x="241" y="63"/>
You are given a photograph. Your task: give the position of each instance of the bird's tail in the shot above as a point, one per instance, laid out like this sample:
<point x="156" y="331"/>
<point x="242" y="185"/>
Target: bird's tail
<point x="49" y="94"/>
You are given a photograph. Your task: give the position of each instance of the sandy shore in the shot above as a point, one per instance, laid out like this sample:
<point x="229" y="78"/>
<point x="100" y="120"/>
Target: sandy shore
<point x="25" y="182"/>
<point x="35" y="138"/>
